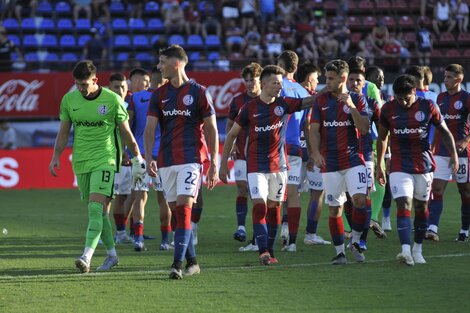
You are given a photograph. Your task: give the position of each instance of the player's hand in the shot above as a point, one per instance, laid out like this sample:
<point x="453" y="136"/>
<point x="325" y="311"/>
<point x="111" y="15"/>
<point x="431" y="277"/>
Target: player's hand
<point x="319" y="160"/>
<point x="346" y="98"/>
<point x="224" y="173"/>
<point x="461" y="145"/>
<point x="152" y="169"/>
<point x="54" y="164"/>
<point x="380" y="176"/>
<point x="310" y="164"/>
<point x="454" y="163"/>
<point x="212" y="176"/>
<point x="233" y="153"/>
<point x="138" y="169"/>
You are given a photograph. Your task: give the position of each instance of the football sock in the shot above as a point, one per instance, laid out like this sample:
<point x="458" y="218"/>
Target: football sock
<point x="465" y="210"/>
<point x="95" y="224"/>
<point x="139" y="231"/>
<point x="120" y="220"/>
<point x="111" y="252"/>
<point x="241" y="208"/>
<point x="107" y="233"/>
<point x="435" y="209"/>
<point x="336" y="230"/>
<point x="365" y="231"/>
<point x="196" y="212"/>
<point x="387" y="200"/>
<point x="183" y="231"/>
<point x="273" y="220"/>
<point x="191" y="251"/>
<point x="311" y="223"/>
<point x="348" y="209"/>
<point x="165" y="230"/>
<point x="404" y="226"/>
<point x="420" y="225"/>
<point x="293" y="221"/>
<point x="359" y="217"/>
<point x="88" y="253"/>
<point x="259" y="226"/>
<point x="131" y="227"/>
<point x="376" y="200"/>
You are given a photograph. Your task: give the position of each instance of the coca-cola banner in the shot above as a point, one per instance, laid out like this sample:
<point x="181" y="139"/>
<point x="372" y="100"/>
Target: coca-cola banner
<point x="29" y="169"/>
<point x="38" y="95"/>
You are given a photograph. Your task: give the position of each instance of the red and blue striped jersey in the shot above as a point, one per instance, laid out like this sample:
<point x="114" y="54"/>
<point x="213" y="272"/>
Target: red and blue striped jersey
<point x="454" y="110"/>
<point x="339" y="138"/>
<point x="409" y="134"/>
<point x="235" y="106"/>
<point x="373" y="112"/>
<point x="180" y="112"/>
<point x="266" y="124"/>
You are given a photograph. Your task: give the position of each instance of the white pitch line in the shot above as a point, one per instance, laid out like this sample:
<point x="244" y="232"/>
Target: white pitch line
<point x="207" y="269"/>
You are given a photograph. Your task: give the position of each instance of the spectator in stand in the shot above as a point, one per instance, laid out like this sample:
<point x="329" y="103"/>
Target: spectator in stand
<point x="100" y="10"/>
<point x="267" y="10"/>
<point x="308" y="49"/>
<point x="8" y="136"/>
<point x="233" y="35"/>
<point x="391" y="54"/>
<point x="343" y="36"/>
<point x="273" y="42"/>
<point x="248" y="12"/>
<point x="96" y="49"/>
<point x="366" y="48"/>
<point x="192" y="19"/>
<point x="79" y="6"/>
<point x="137" y="8"/>
<point x="7" y="47"/>
<point x="21" y="5"/>
<point x="443" y="17"/>
<point x="460" y="11"/>
<point x="329" y="47"/>
<point x="303" y="25"/>
<point x="253" y="47"/>
<point x="130" y="63"/>
<point x="287" y="31"/>
<point x="427" y="5"/>
<point x="210" y="21"/>
<point x="286" y="9"/>
<point x="380" y="35"/>
<point x="321" y="31"/>
<point x="423" y="43"/>
<point x="174" y="20"/>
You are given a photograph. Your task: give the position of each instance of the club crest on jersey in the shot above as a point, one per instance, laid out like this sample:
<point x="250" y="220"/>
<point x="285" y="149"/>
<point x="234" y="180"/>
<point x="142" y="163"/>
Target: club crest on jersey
<point x="279" y="111"/>
<point x="102" y="109"/>
<point x="419" y="116"/>
<point x="458" y="105"/>
<point x="254" y="190"/>
<point x="330" y="197"/>
<point x="346" y="109"/>
<point x="188" y="100"/>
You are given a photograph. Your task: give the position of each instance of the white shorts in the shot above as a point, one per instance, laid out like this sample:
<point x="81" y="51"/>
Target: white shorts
<point x="315" y="179"/>
<point x="303" y="186"/>
<point x="417" y="186"/>
<point x="240" y="170"/>
<point x="143" y="185"/>
<point x="183" y="179"/>
<point x="157" y="183"/>
<point x="123" y="181"/>
<point x="336" y="184"/>
<point x="295" y="169"/>
<point x="370" y="175"/>
<point x="444" y="172"/>
<point x="265" y="186"/>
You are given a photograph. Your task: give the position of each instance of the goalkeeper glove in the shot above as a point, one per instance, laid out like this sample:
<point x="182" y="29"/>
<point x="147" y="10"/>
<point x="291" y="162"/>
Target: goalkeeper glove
<point x="138" y="169"/>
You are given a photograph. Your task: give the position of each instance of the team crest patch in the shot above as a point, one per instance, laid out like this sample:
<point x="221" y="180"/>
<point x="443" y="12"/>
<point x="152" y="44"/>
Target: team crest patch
<point x="188" y="100"/>
<point x="254" y="190"/>
<point x="102" y="109"/>
<point x="419" y="116"/>
<point x="458" y="105"/>
<point x="346" y="109"/>
<point x="330" y="197"/>
<point x="238" y="173"/>
<point x="394" y="189"/>
<point x="279" y="111"/>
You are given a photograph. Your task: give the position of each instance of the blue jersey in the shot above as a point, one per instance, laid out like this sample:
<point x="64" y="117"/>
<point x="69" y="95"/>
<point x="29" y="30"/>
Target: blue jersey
<point x="139" y="103"/>
<point x="296" y="120"/>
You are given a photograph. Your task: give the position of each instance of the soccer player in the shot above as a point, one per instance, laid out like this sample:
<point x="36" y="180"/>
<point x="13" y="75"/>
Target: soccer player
<point x="337" y="119"/>
<point x="250" y="75"/>
<point x="183" y="109"/>
<point x="97" y="114"/>
<point x="355" y="83"/>
<point x="454" y="105"/>
<point x="265" y="118"/>
<point x="408" y="119"/>
<point x="139" y="80"/>
<point x="311" y="178"/>
<point x="297" y="128"/>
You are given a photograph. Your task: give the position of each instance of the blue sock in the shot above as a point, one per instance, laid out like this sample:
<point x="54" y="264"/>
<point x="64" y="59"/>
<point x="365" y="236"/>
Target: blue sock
<point x="365" y="231"/>
<point x="261" y="235"/>
<point x="420" y="226"/>
<point x="272" y="234"/>
<point x="386" y="212"/>
<point x="435" y="210"/>
<point x="242" y="210"/>
<point x="404" y="227"/>
<point x="182" y="237"/>
<point x="191" y="251"/>
<point x="465" y="210"/>
<point x="312" y="224"/>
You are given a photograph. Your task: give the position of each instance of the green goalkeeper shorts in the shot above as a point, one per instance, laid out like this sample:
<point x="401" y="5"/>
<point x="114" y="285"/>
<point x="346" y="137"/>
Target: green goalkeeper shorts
<point x="101" y="182"/>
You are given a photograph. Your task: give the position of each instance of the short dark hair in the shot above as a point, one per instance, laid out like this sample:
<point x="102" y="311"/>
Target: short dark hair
<point x="175" y="51"/>
<point x="338" y="66"/>
<point x="117" y="76"/>
<point x="305" y="69"/>
<point x="290" y="60"/>
<point x="84" y="69"/>
<point x="357" y="61"/>
<point x="357" y="70"/>
<point x="253" y="69"/>
<point x="403" y="84"/>
<point x="138" y="71"/>
<point x="271" y="70"/>
<point x="416" y="71"/>
<point x="371" y="70"/>
<point x="455" y="68"/>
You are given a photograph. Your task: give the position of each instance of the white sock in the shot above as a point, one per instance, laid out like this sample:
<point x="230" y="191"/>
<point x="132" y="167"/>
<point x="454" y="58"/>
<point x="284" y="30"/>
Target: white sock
<point x="112" y="252"/>
<point x="339" y="249"/>
<point x="193" y="226"/>
<point x="406" y="249"/>
<point x="418" y="247"/>
<point x="241" y="227"/>
<point x="433" y="228"/>
<point x="464" y="232"/>
<point x="88" y="253"/>
<point x="356" y="236"/>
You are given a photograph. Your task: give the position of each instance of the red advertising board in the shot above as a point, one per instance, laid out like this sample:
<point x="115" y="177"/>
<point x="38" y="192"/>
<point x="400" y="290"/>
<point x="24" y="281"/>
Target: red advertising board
<point x="28" y="169"/>
<point x="38" y="95"/>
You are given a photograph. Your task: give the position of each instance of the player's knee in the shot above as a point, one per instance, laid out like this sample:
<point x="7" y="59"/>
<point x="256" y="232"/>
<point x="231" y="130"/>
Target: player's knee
<point x="359" y="200"/>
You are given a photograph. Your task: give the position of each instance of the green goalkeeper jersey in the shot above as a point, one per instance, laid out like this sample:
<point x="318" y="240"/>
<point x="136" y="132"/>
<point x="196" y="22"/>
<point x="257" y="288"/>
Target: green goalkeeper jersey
<point x="97" y="143"/>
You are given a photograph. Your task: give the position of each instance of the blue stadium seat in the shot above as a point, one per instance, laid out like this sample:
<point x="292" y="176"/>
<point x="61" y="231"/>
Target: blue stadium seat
<point x="44" y="8"/>
<point x="152" y="8"/>
<point x="65" y="25"/>
<point x="213" y="41"/>
<point x="140" y="41"/>
<point x="119" y="25"/>
<point x="122" y="56"/>
<point x="15" y="39"/>
<point x="82" y="40"/>
<point x="195" y="42"/>
<point x="47" y="25"/>
<point x="176" y="40"/>
<point x="51" y="57"/>
<point x="143" y="56"/>
<point x="83" y="25"/>
<point x="155" y="25"/>
<point x="213" y="56"/>
<point x="29" y="24"/>
<point x="30" y="41"/>
<point x="117" y="8"/>
<point x="63" y="8"/>
<point x="194" y="56"/>
<point x="154" y="39"/>
<point x="68" y="41"/>
<point x="69" y="57"/>
<point x="49" y="41"/>
<point x="11" y="25"/>
<point x="31" y="57"/>
<point x="122" y="42"/>
<point x="136" y="24"/>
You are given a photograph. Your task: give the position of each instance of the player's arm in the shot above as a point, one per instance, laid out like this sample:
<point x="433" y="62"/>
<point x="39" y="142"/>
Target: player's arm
<point x="360" y="121"/>
<point x="59" y="146"/>
<point x="314" y="138"/>
<point x="382" y="140"/>
<point x="138" y="163"/>
<point x="448" y="141"/>
<point x="212" y="139"/>
<point x="149" y="142"/>
<point x="228" y="145"/>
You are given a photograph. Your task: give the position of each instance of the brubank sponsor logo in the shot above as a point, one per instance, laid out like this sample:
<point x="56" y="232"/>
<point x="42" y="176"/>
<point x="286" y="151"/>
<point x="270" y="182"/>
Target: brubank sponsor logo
<point x="337" y="124"/>
<point x="90" y="124"/>
<point x="269" y="127"/>
<point x="407" y="131"/>
<point x="451" y="116"/>
<point x="175" y="112"/>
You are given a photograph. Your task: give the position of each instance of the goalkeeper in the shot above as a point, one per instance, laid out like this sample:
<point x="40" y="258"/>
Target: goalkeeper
<point x="99" y="120"/>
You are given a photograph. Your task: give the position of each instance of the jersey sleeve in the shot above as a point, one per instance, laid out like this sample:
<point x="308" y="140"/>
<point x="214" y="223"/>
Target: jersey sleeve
<point x="375" y="112"/>
<point x="153" y="104"/>
<point x="64" y="110"/>
<point x="242" y="117"/>
<point x="436" y="117"/>
<point x="315" y="114"/>
<point x="293" y="104"/>
<point x="360" y="102"/>
<point x="383" y="116"/>
<point x="121" y="112"/>
<point x="374" y="93"/>
<point x="206" y="106"/>
<point x="233" y="112"/>
<point x="131" y="105"/>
